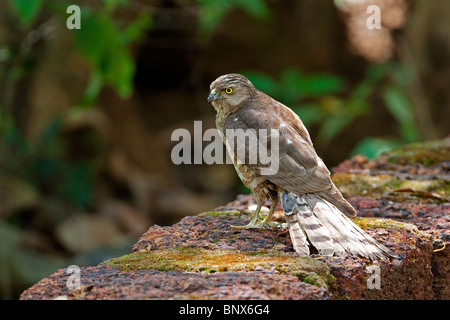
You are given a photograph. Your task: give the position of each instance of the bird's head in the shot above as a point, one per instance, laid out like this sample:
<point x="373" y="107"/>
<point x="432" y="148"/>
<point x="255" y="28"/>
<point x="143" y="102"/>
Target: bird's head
<point x="230" y="91"/>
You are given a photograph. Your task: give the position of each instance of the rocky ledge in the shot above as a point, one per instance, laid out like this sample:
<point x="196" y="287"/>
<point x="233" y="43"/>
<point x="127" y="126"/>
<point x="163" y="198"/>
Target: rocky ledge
<point x="402" y="198"/>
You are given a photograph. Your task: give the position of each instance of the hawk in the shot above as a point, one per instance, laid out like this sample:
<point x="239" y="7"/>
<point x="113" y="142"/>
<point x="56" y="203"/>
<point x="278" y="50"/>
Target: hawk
<point x="316" y="212"/>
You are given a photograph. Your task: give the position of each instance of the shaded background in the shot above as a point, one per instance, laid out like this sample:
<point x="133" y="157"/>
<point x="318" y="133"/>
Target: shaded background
<point x="86" y="115"/>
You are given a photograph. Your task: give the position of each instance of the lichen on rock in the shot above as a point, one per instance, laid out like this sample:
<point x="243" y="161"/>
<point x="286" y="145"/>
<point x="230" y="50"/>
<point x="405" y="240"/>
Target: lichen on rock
<point x="402" y="201"/>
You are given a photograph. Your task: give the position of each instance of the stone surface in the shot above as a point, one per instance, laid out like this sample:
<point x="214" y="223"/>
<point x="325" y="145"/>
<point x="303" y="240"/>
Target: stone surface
<point x="402" y="201"/>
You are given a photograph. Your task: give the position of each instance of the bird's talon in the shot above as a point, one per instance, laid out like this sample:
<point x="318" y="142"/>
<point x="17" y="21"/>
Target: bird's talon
<point x="272" y="224"/>
<point x="247" y="226"/>
<point x="258" y="225"/>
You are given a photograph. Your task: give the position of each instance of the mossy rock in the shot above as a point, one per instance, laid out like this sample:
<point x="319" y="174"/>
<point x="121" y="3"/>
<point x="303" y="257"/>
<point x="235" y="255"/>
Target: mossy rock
<point x="219" y="213"/>
<point x="426" y="153"/>
<point x="375" y="223"/>
<point x="186" y="259"/>
<point x="392" y="188"/>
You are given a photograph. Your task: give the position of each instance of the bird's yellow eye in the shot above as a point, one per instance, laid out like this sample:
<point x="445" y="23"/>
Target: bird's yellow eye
<point x="228" y="90"/>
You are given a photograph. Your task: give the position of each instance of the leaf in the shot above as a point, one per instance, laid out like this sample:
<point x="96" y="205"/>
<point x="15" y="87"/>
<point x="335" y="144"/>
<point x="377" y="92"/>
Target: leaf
<point x="410" y="132"/>
<point x="92" y="91"/>
<point x="212" y="12"/>
<point x="135" y="31"/>
<point x="256" y="8"/>
<point x="93" y="38"/>
<point x="401" y="109"/>
<point x="291" y="85"/>
<point x="398" y="105"/>
<point x="112" y="4"/>
<point x="357" y="107"/>
<point x="26" y="9"/>
<point x="372" y="147"/>
<point x="309" y="113"/>
<point x="119" y="69"/>
<point x="362" y="90"/>
<point x="321" y="84"/>
<point x="263" y="82"/>
<point x="377" y="71"/>
<point x="332" y="126"/>
<point x="104" y="46"/>
<point x="296" y="85"/>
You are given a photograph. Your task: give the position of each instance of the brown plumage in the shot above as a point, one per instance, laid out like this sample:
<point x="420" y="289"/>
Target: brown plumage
<point x="313" y="206"/>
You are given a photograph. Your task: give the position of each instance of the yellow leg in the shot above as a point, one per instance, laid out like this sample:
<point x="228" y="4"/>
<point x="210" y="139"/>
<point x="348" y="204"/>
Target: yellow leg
<point x="266" y="223"/>
<point x="255" y="216"/>
<point x="268" y="220"/>
<point x="254" y="222"/>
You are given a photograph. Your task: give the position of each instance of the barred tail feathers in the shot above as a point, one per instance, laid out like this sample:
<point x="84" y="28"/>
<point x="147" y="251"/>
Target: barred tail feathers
<point x="298" y="236"/>
<point x="327" y="228"/>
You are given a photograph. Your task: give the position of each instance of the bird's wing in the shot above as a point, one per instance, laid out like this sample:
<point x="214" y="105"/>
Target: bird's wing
<point x="300" y="170"/>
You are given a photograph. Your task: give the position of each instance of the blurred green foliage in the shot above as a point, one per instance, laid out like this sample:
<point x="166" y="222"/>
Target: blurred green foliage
<point x="44" y="164"/>
<point x="106" y="47"/>
<point x="40" y="173"/>
<point x="323" y="100"/>
<point x="212" y="12"/>
<point x="105" y="42"/>
<point x="26" y="9"/>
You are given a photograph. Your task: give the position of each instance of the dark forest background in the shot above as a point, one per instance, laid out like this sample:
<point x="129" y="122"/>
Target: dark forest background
<point x="86" y="115"/>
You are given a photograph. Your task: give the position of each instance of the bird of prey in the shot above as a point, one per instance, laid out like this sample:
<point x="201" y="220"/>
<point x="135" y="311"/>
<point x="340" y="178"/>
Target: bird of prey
<point x="316" y="212"/>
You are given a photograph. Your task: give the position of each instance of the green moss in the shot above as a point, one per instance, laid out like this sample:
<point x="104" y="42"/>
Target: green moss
<point x="258" y="253"/>
<point x="306" y="269"/>
<point x="393" y="188"/>
<point x="385" y="186"/>
<point x="426" y="153"/>
<point x="360" y="184"/>
<point x="389" y="224"/>
<point x="313" y="279"/>
<point x="218" y="213"/>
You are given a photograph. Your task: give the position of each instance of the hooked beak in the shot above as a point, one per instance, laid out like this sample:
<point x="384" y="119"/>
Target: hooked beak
<point x="212" y="96"/>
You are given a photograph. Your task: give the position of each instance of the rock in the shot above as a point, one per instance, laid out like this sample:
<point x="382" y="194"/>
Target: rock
<point x="106" y="282"/>
<point x="416" y="191"/>
<point x="201" y="257"/>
